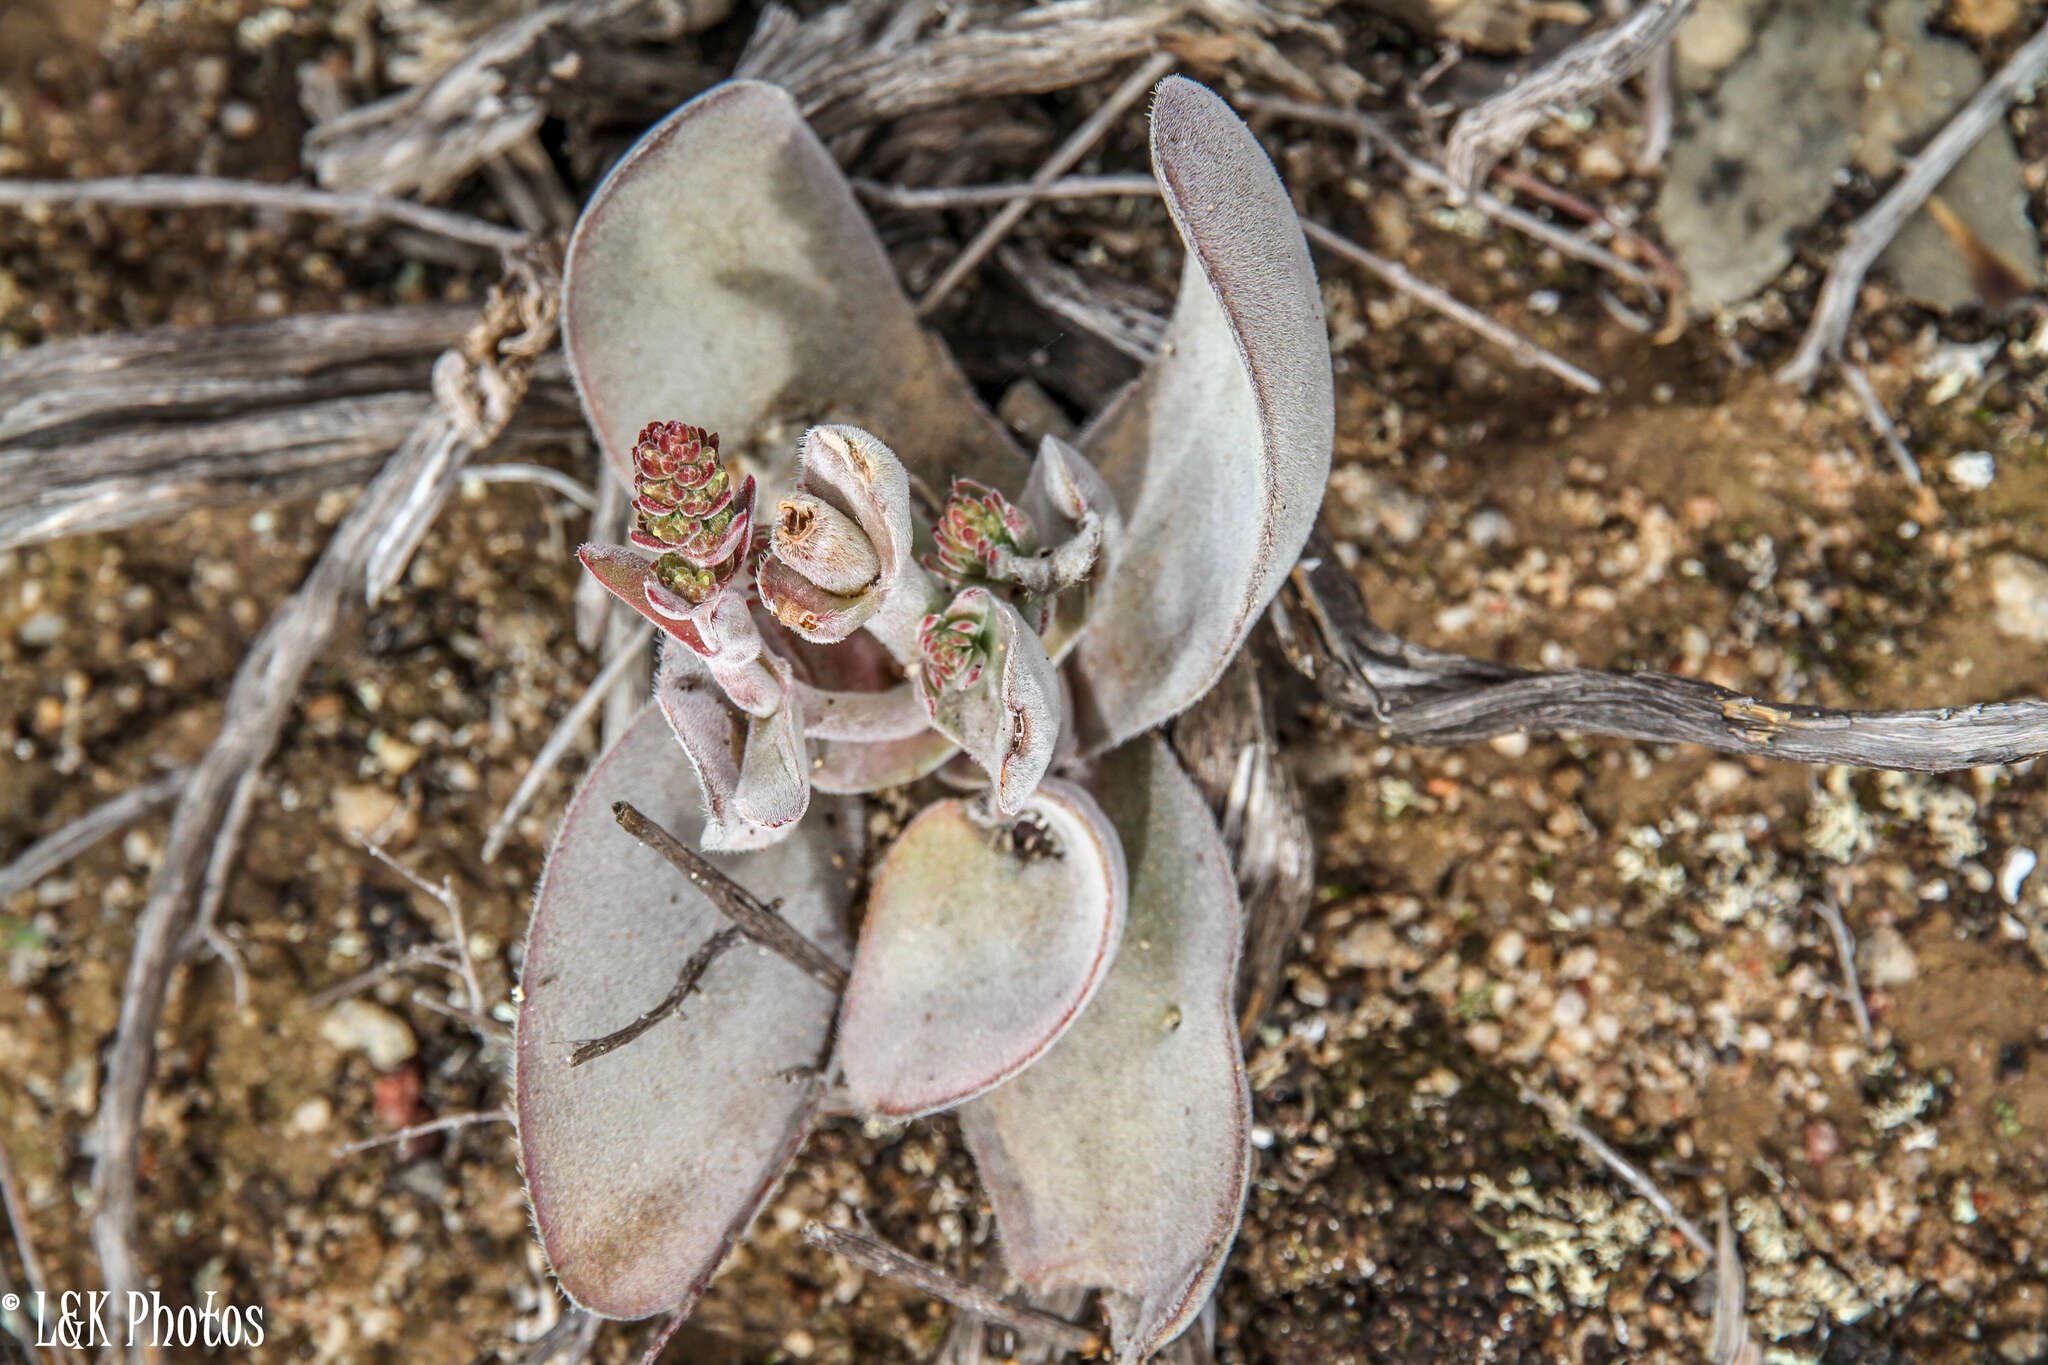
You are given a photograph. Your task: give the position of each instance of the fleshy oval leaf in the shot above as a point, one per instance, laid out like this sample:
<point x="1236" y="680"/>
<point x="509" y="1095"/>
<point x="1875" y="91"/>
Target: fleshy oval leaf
<point x="1119" y="1160"/>
<point x="983" y="942"/>
<point x="646" y="1164"/>
<point x="1218" y="455"/>
<point x="723" y="274"/>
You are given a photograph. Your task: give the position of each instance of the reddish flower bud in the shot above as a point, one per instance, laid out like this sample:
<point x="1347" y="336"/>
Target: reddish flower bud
<point x="979" y="528"/>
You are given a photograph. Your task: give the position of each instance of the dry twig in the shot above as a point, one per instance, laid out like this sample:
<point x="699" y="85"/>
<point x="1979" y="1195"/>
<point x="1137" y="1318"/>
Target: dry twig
<point x="1124" y="315"/>
<point x="1873" y="232"/>
<point x="1576" y="77"/>
<point x="759" y="922"/>
<point x="885" y="1260"/>
<point x="1133" y="88"/>
<point x="47" y="854"/>
<point x="1729" y="1341"/>
<point x="207" y="191"/>
<point x="692" y="972"/>
<point x="1411" y="694"/>
<point x="1881" y="422"/>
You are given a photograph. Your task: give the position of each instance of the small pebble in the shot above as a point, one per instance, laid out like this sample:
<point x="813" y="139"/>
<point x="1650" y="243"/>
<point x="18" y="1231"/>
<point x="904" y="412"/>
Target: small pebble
<point x="1885" y="959"/>
<point x="377" y="1033"/>
<point x="1310" y="990"/>
<point x="2012" y="876"/>
<point x="1973" y="470"/>
<point x="1488" y="527"/>
<point x="40" y="631"/>
<point x="312" y="1116"/>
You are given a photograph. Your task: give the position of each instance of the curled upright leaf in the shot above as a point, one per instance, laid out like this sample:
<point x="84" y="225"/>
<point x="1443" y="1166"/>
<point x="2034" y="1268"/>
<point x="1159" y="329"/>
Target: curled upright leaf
<point x="854" y="484"/>
<point x="645" y="1165"/>
<point x="1218" y="455"/>
<point x="753" y="769"/>
<point x="983" y="942"/>
<point x="1118" y="1161"/>
<point x="990" y="688"/>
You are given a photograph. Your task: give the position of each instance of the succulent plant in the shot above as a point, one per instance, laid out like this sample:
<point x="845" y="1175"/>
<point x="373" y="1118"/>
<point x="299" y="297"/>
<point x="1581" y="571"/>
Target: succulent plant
<point x="1048" y="952"/>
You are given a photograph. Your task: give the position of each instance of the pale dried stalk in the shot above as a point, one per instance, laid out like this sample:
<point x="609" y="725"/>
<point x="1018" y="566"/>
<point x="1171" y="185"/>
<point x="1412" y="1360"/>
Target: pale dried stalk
<point x="910" y="197"/>
<point x="1429" y="173"/>
<point x="1411" y="694"/>
<point x="1881" y="422"/>
<point x="608" y="522"/>
<point x="1568" y="1122"/>
<point x="444" y="896"/>
<point x="1729" y="1341"/>
<point x="104" y="432"/>
<point x="206" y="191"/>
<point x="868" y="62"/>
<point x="1133" y="88"/>
<point x="1845" y="950"/>
<point x="563" y="735"/>
<point x="1400" y="277"/>
<point x="1576" y="77"/>
<point x="46" y="855"/>
<point x="1120" y="314"/>
<point x="885" y="1260"/>
<point x="259" y="701"/>
<point x="486" y="104"/>
<point x="554" y="480"/>
<point x="441" y="1125"/>
<point x="1873" y="232"/>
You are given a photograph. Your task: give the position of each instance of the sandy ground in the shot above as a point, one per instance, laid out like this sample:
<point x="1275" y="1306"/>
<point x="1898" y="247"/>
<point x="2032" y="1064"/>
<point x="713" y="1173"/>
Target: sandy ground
<point x="1632" y="929"/>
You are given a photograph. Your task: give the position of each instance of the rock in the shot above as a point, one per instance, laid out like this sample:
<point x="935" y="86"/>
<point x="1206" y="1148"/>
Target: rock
<point x="1972" y="470"/>
<point x="1753" y="163"/>
<point x="377" y="1033"/>
<point x="1371" y="946"/>
<point x="1712" y="37"/>
<point x="1939" y="257"/>
<point x="40" y="631"/>
<point x="1363" y="508"/>
<point x="1488" y="527"/>
<point x="2019" y="596"/>
<point x="1885" y="960"/>
<point x="363" y="808"/>
<point x="312" y="1116"/>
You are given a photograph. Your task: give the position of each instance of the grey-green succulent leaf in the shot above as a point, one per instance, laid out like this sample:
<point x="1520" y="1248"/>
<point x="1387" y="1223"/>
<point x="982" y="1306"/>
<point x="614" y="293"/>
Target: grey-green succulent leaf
<point x="645" y="1165"/>
<point x="752" y="770"/>
<point x="724" y="273"/>
<point x="1119" y="1160"/>
<point x="1218" y="455"/>
<point x="983" y="942"/>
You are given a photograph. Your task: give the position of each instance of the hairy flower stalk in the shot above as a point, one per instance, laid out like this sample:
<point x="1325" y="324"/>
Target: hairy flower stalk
<point x="688" y="510"/>
<point x="977" y="535"/>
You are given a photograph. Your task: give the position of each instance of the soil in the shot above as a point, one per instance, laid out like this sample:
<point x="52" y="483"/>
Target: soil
<point x="1634" y="929"/>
